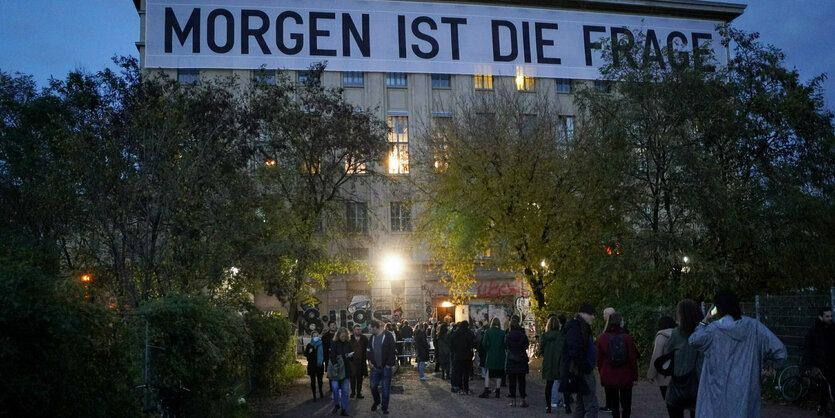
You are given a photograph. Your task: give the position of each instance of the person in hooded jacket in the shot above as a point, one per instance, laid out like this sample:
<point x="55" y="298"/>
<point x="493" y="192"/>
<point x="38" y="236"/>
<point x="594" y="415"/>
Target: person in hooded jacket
<point x="553" y="344"/>
<point x="442" y="350"/>
<point x="462" y="344"/>
<point x="516" y="361"/>
<point x="315" y="353"/>
<point x="421" y="349"/>
<point x="617" y="378"/>
<point x="687" y="362"/>
<point x="579" y="360"/>
<point x="664" y="328"/>
<point x="493" y="345"/>
<point x="734" y="348"/>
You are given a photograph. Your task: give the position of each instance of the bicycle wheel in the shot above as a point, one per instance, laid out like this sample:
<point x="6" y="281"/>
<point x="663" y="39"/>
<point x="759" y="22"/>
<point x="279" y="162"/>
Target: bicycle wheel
<point x="786" y="374"/>
<point x="794" y="388"/>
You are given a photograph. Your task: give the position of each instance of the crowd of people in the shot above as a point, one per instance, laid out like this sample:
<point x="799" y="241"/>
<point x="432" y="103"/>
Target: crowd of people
<point x="706" y="363"/>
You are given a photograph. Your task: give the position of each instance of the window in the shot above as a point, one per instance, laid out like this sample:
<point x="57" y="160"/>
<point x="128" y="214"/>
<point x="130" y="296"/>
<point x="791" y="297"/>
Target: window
<point x="563" y="85"/>
<point x="353" y="78"/>
<point x="566" y="128"/>
<point x="601" y="85"/>
<point x="354" y="167"/>
<point x="401" y="217"/>
<point x="263" y="76"/>
<point x="442" y="122"/>
<point x="525" y="83"/>
<point x="395" y="79"/>
<point x="440" y="81"/>
<point x="357" y="217"/>
<point x="398" y="159"/>
<point x="529" y="122"/>
<point x="358" y="253"/>
<point x="483" y="82"/>
<point x="304" y="76"/>
<point x="188" y="75"/>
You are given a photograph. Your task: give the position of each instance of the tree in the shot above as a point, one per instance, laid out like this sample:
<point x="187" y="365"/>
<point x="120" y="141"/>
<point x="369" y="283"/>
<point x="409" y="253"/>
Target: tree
<point x="502" y="177"/>
<point x="729" y="166"/>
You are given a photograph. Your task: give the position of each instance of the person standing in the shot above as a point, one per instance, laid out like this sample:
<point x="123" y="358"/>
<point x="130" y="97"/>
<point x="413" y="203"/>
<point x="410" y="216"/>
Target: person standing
<point x="607" y="313"/>
<point x="406" y="335"/>
<point x="340" y="351"/>
<point x="553" y="343"/>
<point x="359" y="363"/>
<point x="421" y="349"/>
<point x="734" y="349"/>
<point x="382" y="358"/>
<point x="819" y="351"/>
<point x="315" y="354"/>
<point x="442" y="351"/>
<point x="327" y="339"/>
<point x="664" y="328"/>
<point x="687" y="362"/>
<point x="617" y="360"/>
<point x="516" y="363"/>
<point x="493" y="345"/>
<point x="462" y="345"/>
<point x="577" y="376"/>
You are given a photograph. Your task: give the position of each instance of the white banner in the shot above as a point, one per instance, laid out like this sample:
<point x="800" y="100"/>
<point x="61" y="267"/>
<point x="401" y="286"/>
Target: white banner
<point x="417" y="37"/>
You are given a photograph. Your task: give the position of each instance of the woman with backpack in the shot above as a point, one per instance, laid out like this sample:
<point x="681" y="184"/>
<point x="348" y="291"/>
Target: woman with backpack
<point x="683" y="388"/>
<point x="339" y="370"/>
<point x="516" y="364"/>
<point x="617" y="361"/>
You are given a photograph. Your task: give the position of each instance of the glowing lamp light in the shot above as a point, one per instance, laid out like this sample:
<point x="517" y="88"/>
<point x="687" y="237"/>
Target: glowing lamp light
<point x="685" y="259"/>
<point x="270" y="163"/>
<point x="446" y="304"/>
<point x="86" y="278"/>
<point x="520" y="82"/>
<point x="393" y="266"/>
<point x="542" y="264"/>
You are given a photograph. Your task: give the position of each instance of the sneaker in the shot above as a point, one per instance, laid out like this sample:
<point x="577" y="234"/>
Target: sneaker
<point x="424" y="378"/>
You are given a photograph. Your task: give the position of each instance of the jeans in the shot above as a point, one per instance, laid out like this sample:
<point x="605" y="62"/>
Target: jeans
<point x="340" y="390"/>
<point x="421" y="365"/>
<point x="381" y="375"/>
<point x="514" y="380"/>
<point x="552" y="395"/>
<point x="587" y="404"/>
<point x="620" y="401"/>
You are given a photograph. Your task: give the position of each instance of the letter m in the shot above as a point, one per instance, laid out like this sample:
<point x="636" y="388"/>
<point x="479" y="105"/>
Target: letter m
<point x="173" y="26"/>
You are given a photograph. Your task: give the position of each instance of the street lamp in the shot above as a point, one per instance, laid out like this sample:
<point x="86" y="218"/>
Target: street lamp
<point x="393" y="266"/>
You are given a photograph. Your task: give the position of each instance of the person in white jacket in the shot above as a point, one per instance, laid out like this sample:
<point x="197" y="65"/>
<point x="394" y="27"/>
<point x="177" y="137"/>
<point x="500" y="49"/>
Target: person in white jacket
<point x="665" y="328"/>
<point x="735" y="348"/>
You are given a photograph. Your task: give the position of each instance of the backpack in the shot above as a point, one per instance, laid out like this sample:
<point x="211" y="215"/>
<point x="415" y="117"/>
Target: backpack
<point x="617" y="352"/>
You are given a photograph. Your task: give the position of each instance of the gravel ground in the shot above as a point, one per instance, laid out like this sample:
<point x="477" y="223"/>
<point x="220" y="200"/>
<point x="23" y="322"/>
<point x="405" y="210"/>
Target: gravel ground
<point x="432" y="398"/>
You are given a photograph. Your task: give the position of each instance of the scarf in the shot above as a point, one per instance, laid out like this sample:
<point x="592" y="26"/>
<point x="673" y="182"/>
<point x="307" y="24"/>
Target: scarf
<point x="320" y="354"/>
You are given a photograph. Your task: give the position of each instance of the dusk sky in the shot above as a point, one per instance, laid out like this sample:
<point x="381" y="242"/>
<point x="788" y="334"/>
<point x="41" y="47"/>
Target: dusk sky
<point x="50" y="38"/>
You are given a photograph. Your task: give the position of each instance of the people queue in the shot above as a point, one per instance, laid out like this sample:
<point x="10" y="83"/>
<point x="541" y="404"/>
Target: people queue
<point x="708" y="364"/>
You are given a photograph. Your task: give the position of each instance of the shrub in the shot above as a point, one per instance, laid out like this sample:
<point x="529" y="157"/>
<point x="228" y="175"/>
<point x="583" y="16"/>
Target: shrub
<point x="272" y="352"/>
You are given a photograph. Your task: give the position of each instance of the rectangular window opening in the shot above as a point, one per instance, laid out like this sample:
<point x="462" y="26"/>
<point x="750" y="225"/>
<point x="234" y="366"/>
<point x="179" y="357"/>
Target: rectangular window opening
<point x="188" y="75"/>
<point x="398" y="157"/>
<point x="483" y="82"/>
<point x="401" y="217"/>
<point x="395" y="79"/>
<point x="353" y="78"/>
<point x="440" y="81"/>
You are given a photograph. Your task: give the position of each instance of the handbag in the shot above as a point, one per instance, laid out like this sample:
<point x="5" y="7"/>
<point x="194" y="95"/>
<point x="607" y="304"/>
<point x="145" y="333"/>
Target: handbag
<point x="665" y="364"/>
<point x="336" y="370"/>
<point x="683" y="390"/>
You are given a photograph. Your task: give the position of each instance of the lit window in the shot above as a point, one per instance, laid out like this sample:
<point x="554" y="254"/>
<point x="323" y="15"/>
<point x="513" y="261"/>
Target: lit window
<point x="188" y="75"/>
<point x="263" y="76"/>
<point x="563" y="85"/>
<point x="483" y="82"/>
<point x="566" y="128"/>
<point x="357" y="217"/>
<point x="353" y="78"/>
<point x="440" y="81"/>
<point x="442" y="125"/>
<point x="398" y="158"/>
<point x="401" y="217"/>
<point x="525" y="83"/>
<point x="354" y="167"/>
<point x="395" y="79"/>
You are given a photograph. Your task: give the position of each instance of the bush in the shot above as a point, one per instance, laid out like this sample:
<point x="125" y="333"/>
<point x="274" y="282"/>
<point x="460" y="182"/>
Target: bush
<point x="203" y="348"/>
<point x="272" y="353"/>
<point x="60" y="353"/>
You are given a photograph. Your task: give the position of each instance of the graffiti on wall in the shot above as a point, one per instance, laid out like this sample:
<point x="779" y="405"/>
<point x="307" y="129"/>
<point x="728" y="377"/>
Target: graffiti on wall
<point x="493" y="288"/>
<point x="523" y="309"/>
<point x="359" y="311"/>
<point x="309" y="316"/>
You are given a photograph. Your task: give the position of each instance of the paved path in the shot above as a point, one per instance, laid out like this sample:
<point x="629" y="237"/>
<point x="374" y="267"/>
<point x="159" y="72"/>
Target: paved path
<point x="432" y="398"/>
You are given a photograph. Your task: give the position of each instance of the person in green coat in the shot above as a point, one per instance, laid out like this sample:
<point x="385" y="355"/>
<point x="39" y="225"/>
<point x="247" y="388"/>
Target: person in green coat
<point x="553" y="342"/>
<point x="493" y="343"/>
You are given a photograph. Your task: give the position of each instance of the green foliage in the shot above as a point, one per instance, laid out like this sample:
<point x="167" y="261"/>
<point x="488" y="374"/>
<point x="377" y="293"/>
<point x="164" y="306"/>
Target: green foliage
<point x="61" y="353"/>
<point x="203" y="348"/>
<point x="273" y="349"/>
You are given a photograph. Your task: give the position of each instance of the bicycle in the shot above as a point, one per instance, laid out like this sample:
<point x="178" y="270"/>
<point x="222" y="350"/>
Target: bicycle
<point x="797" y="384"/>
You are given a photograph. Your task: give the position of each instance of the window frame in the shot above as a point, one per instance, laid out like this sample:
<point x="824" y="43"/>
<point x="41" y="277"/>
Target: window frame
<point x="403" y="217"/>
<point x="391" y="78"/>
<point x="349" y="76"/>
<point x="440" y="79"/>
<point x="528" y="84"/>
<point x="184" y="75"/>
<point x="398" y="141"/>
<point x="567" y="82"/>
<point x="263" y="77"/>
<point x="354" y="223"/>
<point x="481" y="80"/>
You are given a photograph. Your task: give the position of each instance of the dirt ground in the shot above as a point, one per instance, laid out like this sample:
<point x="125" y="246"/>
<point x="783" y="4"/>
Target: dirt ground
<point x="432" y="398"/>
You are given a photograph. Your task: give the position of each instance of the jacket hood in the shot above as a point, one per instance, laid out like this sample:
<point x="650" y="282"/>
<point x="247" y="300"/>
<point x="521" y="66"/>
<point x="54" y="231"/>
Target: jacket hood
<point x="738" y="330"/>
<point x="665" y="332"/>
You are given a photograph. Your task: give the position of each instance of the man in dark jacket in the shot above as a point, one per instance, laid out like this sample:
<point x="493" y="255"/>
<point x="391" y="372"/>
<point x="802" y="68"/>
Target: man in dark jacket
<point x="327" y="339"/>
<point x="462" y="345"/>
<point x="819" y="351"/>
<point x="578" y="363"/>
<point x="406" y="335"/>
<point x="382" y="358"/>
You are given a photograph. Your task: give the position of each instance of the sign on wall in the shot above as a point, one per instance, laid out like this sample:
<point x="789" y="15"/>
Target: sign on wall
<point x="389" y="36"/>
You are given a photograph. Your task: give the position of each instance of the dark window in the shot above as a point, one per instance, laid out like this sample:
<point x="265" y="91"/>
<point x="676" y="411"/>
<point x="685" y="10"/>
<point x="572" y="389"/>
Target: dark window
<point x="357" y="217"/>
<point x="440" y="81"/>
<point x="401" y="217"/>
